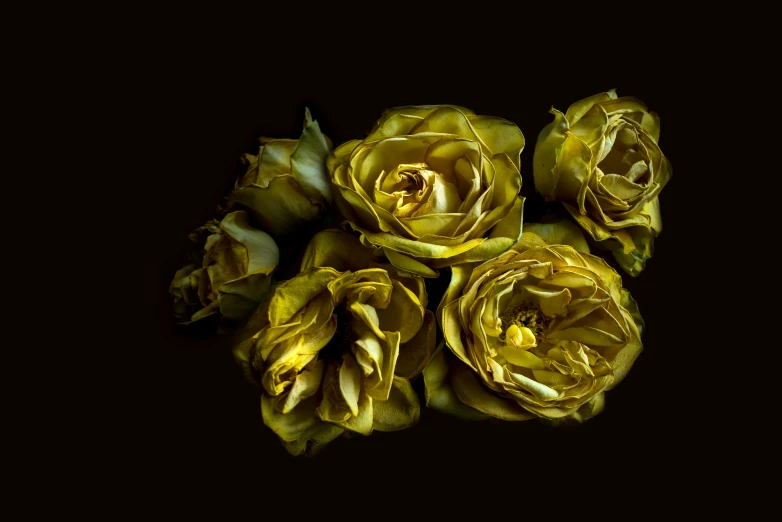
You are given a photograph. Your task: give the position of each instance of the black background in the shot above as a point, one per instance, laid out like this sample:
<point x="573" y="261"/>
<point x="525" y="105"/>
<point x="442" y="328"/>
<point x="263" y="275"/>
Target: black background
<point x="200" y="428"/>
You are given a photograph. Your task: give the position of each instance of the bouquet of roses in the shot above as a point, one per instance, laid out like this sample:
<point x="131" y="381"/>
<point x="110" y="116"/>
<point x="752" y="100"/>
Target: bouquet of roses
<point x="532" y="323"/>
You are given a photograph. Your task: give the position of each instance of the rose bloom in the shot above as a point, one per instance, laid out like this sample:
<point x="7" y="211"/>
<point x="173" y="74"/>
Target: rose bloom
<point x="232" y="271"/>
<point x="334" y="348"/>
<point x="286" y="186"/>
<point x="542" y="330"/>
<point x="432" y="186"/>
<point x="602" y="161"/>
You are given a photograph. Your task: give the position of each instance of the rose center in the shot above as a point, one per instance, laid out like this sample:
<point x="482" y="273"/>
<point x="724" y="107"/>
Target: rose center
<point x="342" y="339"/>
<point x="524" y="315"/>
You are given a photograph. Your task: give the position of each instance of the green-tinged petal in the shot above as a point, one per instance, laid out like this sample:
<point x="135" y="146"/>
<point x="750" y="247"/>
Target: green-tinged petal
<point x="635" y="261"/>
<point x="292" y="425"/>
<point x="414" y="354"/>
<point x="401" y="410"/>
<point x="409" y="264"/>
<point x="280" y="208"/>
<point x="212" y="309"/>
<point x="414" y="248"/>
<point x="439" y="392"/>
<point x="473" y="393"/>
<point x="404" y="314"/>
<point x="544" y="159"/>
<point x="262" y="252"/>
<point x="240" y="298"/>
<point x="273" y="161"/>
<point x="361" y="423"/>
<point x="313" y="440"/>
<point x="308" y="161"/>
<point x="337" y="249"/>
<point x="562" y="232"/>
<point x="487" y="249"/>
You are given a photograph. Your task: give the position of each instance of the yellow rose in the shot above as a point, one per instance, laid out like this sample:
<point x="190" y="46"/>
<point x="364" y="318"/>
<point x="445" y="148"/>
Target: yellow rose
<point x="286" y="185"/>
<point x="602" y="161"/>
<point x="540" y="331"/>
<point x="334" y="348"/>
<point x="233" y="274"/>
<point x="429" y="183"/>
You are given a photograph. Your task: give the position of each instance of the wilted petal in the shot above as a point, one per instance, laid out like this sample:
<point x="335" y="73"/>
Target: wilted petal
<point x="401" y="410"/>
<point x="290" y="296"/>
<point x="439" y="391"/>
<point x="350" y="382"/>
<point x="308" y="161"/>
<point x="472" y="393"/>
<point x="306" y="385"/>
<point x="337" y="249"/>
<point x="414" y="354"/>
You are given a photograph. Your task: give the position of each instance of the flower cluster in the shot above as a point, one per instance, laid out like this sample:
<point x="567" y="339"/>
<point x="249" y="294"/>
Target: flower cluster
<point x="532" y="323"/>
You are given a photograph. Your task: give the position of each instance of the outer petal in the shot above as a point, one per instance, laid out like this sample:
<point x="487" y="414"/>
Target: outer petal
<point x="473" y="393"/>
<point x="238" y="299"/>
<point x="545" y="157"/>
<point x="308" y="161"/>
<point x="337" y="249"/>
<point x="623" y="361"/>
<point x="501" y="136"/>
<point x="560" y="233"/>
<point x="409" y="264"/>
<point x="401" y="410"/>
<point x="643" y="247"/>
<point x="262" y="252"/>
<point x="414" y="354"/>
<point x="599" y="233"/>
<point x="439" y="391"/>
<point x="414" y="248"/>
<point x="280" y="208"/>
